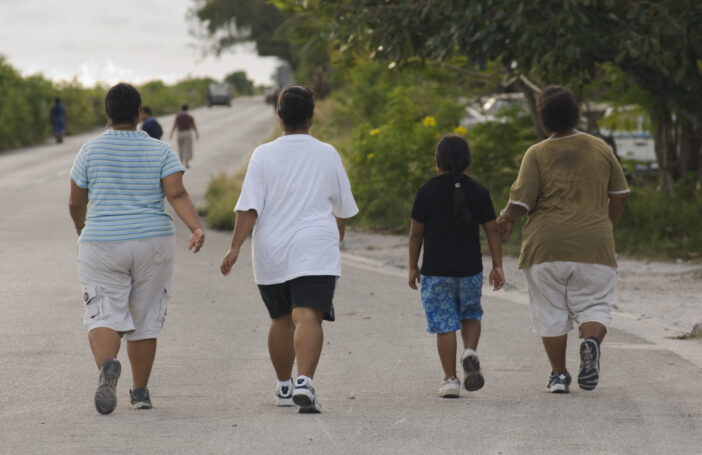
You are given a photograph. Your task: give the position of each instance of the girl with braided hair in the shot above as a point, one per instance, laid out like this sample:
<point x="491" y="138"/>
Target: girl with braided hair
<point x="446" y="214"/>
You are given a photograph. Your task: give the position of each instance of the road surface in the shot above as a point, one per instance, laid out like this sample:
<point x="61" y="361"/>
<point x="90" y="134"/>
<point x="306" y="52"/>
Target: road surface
<point x="213" y="384"/>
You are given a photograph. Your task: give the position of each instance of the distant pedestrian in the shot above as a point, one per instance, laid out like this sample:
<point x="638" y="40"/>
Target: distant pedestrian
<point x="574" y="191"/>
<point x="150" y="124"/>
<point x="185" y="125"/>
<point x="58" y="119"/>
<point x="126" y="239"/>
<point x="298" y="197"/>
<point x="446" y="216"/>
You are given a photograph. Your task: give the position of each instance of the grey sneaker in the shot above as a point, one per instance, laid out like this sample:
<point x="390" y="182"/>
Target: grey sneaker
<point x="558" y="383"/>
<point x="304" y="396"/>
<point x="589" y="364"/>
<point x="283" y="395"/>
<point x="451" y="388"/>
<point x="106" y="393"/>
<point x="140" y="398"/>
<point x="473" y="379"/>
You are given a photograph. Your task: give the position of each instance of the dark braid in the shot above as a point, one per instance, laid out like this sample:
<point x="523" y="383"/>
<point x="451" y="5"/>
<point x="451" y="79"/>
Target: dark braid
<point x="453" y="157"/>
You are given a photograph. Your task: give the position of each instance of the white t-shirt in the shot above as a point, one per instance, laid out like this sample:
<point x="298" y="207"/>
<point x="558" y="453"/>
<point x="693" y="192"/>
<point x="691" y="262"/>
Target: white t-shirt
<point x="297" y="185"/>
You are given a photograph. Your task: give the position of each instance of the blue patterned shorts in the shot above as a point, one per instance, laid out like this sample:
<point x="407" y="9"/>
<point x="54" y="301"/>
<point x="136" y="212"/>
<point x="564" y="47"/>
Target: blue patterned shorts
<point x="449" y="300"/>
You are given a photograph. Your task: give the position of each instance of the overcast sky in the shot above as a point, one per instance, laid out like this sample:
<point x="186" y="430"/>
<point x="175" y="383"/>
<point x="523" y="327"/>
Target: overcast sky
<point x="124" y="40"/>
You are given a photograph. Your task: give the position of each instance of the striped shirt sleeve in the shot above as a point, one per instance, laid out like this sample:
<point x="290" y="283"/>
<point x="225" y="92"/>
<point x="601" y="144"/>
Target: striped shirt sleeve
<point x="79" y="171"/>
<point x="170" y="164"/>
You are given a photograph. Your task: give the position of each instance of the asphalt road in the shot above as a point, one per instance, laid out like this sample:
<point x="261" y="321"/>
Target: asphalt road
<point x="212" y="384"/>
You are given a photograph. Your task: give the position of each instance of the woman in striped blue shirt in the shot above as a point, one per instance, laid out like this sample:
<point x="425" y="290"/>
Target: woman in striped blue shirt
<point x="126" y="241"/>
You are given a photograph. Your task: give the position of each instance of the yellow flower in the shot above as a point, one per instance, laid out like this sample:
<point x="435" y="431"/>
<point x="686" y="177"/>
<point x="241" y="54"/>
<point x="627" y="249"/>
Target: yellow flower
<point x="369" y="156"/>
<point x="429" y="121"/>
<point x="374" y="131"/>
<point x="358" y="159"/>
<point x="460" y="130"/>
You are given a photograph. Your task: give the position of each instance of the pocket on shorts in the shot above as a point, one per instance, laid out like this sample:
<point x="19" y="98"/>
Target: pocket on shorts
<point x="165" y="296"/>
<point x="92" y="298"/>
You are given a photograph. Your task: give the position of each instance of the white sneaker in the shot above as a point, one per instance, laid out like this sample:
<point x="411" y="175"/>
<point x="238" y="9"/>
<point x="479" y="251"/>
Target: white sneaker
<point x="450" y="389"/>
<point x="304" y="396"/>
<point x="473" y="379"/>
<point x="283" y="395"/>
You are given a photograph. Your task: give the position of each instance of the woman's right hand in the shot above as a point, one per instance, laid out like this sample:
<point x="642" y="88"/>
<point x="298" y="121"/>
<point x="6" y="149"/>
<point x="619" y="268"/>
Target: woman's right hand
<point x="229" y="261"/>
<point x="197" y="239"/>
<point x="413" y="278"/>
<point x="505" y="226"/>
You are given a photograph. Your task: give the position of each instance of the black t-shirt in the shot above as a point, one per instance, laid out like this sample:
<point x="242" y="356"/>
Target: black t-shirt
<point x="448" y="249"/>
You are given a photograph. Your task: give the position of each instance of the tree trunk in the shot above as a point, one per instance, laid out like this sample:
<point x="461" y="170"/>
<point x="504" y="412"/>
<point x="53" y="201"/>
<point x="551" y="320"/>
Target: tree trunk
<point x="662" y="132"/>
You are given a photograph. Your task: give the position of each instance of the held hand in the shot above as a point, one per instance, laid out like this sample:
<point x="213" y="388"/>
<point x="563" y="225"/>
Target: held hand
<point x="505" y="226"/>
<point x="229" y="261"/>
<point x="197" y="238"/>
<point x="413" y="278"/>
<point x="497" y="278"/>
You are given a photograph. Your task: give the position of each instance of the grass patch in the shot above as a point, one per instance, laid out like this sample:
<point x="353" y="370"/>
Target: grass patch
<point x="220" y="198"/>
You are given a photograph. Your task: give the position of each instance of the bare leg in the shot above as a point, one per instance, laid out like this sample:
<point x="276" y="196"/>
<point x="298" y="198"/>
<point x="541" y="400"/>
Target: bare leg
<point x="556" y="351"/>
<point x="104" y="343"/>
<point x="280" y="346"/>
<point x="593" y="330"/>
<point x="141" y="356"/>
<point x="308" y="339"/>
<point x="446" y="344"/>
<point x="470" y="332"/>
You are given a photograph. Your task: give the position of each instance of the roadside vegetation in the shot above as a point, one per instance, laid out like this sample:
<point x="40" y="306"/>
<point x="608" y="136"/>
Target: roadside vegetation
<point x="25" y="103"/>
<point x="393" y="82"/>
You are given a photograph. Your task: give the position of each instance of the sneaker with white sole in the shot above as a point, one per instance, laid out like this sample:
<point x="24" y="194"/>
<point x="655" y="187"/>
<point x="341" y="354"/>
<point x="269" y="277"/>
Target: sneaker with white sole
<point x="558" y="383"/>
<point x="450" y="389"/>
<point x="589" y="364"/>
<point x="283" y="395"/>
<point x="140" y="398"/>
<point x="473" y="379"/>
<point x="304" y="396"/>
<point x="106" y="393"/>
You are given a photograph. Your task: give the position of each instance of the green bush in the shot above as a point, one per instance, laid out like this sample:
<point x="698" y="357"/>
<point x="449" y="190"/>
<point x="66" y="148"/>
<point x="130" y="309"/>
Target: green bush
<point x="659" y="226"/>
<point x="220" y="198"/>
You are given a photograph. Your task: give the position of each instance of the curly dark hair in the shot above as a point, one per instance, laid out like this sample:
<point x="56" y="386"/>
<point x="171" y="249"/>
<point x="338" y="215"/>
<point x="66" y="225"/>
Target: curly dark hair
<point x="453" y="157"/>
<point x="558" y="110"/>
<point x="295" y="106"/>
<point x="122" y="103"/>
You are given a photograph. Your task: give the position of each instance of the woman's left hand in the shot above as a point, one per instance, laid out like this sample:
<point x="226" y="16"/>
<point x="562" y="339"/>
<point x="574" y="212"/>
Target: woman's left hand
<point x="197" y="239"/>
<point x="497" y="278"/>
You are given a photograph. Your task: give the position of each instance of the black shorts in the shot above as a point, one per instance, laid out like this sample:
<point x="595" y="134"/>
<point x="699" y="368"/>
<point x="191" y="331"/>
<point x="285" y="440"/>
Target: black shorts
<point x="306" y="291"/>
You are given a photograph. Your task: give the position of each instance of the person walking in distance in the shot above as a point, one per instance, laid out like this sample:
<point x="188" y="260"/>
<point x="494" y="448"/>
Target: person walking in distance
<point x="150" y="124"/>
<point x="184" y="123"/>
<point x="119" y="181"/>
<point x="296" y="197"/>
<point x="58" y="119"/>
<point x="573" y="190"/>
<point x="446" y="216"/>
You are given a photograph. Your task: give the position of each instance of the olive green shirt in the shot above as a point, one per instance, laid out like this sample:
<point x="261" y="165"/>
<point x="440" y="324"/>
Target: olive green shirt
<point x="565" y="184"/>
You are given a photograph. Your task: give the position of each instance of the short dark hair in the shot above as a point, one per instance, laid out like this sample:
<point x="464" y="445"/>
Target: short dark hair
<point x="122" y="103"/>
<point x="295" y="106"/>
<point x="146" y="109"/>
<point x="57" y="100"/>
<point x="184" y="107"/>
<point x="453" y="156"/>
<point x="558" y="110"/>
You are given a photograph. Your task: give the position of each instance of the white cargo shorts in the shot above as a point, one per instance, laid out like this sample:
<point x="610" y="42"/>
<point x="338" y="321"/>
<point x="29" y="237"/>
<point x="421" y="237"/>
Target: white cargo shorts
<point x="126" y="284"/>
<point x="562" y="292"/>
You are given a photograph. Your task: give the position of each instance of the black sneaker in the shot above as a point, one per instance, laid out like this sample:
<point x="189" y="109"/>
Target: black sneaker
<point x="304" y="396"/>
<point x="106" y="393"/>
<point x="140" y="398"/>
<point x="558" y="383"/>
<point x="589" y="364"/>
